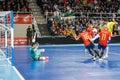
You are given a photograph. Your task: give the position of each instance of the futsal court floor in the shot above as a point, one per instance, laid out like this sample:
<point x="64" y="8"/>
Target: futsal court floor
<point x="66" y="62"/>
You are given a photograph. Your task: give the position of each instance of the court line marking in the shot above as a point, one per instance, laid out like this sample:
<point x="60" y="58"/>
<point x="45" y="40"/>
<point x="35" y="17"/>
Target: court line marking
<point x="14" y="68"/>
<point x="22" y="78"/>
<point x="61" y="45"/>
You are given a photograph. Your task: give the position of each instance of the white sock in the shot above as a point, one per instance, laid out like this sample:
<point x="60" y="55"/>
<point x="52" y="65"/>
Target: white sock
<point x="107" y="49"/>
<point x="43" y="58"/>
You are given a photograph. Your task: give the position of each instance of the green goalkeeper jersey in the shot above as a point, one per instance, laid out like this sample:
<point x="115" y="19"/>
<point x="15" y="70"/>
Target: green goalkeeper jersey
<point x="35" y="54"/>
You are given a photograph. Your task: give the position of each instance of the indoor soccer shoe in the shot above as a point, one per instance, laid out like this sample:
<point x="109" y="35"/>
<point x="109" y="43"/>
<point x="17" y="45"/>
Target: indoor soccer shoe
<point x="46" y="58"/>
<point x="105" y="57"/>
<point x="100" y="59"/>
<point x="93" y="58"/>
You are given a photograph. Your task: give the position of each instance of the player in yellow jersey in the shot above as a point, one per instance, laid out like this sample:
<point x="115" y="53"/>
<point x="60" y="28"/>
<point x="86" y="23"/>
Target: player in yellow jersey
<point x="110" y="25"/>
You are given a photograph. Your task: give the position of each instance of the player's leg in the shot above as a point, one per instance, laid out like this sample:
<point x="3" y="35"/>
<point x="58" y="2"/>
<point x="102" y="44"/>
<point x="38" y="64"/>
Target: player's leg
<point x="86" y="50"/>
<point x="39" y="52"/>
<point x="102" y="52"/>
<point x="106" y="53"/>
<point x="89" y="50"/>
<point x="92" y="46"/>
<point x="91" y="53"/>
<point x="96" y="53"/>
<point x="107" y="49"/>
<point x="43" y="58"/>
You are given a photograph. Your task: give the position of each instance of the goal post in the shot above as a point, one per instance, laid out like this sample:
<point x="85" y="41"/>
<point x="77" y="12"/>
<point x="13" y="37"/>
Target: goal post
<point x="12" y="35"/>
<point x="7" y="36"/>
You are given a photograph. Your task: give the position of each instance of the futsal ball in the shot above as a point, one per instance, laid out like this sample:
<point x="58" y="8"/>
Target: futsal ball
<point x="94" y="30"/>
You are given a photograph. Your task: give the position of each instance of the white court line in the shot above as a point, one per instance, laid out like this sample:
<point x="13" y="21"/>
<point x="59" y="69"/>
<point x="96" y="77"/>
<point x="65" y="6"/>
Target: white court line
<point x="22" y="78"/>
<point x="61" y="45"/>
<point x="55" y="45"/>
<point x="14" y="68"/>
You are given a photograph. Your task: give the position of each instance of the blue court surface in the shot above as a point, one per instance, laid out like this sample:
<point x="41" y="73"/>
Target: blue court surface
<point x="8" y="72"/>
<point x="67" y="62"/>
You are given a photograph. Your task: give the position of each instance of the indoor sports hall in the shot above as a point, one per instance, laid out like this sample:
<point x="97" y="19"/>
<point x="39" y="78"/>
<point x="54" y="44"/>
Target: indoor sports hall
<point x="59" y="39"/>
<point x="66" y="62"/>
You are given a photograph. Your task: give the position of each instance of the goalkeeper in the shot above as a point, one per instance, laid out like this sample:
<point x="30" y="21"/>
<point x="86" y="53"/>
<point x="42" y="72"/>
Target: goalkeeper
<point x="35" y="53"/>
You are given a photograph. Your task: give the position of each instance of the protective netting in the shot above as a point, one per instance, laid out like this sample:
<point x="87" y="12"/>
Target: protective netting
<point x="6" y="36"/>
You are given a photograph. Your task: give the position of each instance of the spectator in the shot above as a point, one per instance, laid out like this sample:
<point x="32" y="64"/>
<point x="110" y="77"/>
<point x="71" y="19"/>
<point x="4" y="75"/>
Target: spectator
<point x="115" y="30"/>
<point x="15" y="5"/>
<point x="61" y="10"/>
<point x="29" y="35"/>
<point x="119" y="27"/>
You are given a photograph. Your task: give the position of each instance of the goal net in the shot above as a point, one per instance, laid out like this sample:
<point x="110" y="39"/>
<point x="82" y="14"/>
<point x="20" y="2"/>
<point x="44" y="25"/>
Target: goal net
<point x="7" y="36"/>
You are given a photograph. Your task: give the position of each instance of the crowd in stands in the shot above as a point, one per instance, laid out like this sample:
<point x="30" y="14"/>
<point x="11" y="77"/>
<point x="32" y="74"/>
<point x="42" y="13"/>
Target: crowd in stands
<point x="85" y="6"/>
<point x="56" y="12"/>
<point x="15" y="5"/>
<point x="68" y="28"/>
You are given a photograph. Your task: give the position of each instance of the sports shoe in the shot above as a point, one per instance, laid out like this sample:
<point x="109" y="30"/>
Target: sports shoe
<point x="105" y="57"/>
<point x="46" y="58"/>
<point x="100" y="59"/>
<point x="94" y="58"/>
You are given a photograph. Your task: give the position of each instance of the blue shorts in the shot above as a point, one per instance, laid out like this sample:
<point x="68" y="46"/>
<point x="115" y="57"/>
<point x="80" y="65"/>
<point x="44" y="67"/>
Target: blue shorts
<point x="90" y="46"/>
<point x="101" y="47"/>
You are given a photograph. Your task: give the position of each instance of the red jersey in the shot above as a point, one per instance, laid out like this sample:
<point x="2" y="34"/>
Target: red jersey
<point x="85" y="37"/>
<point x="104" y="37"/>
<point x="90" y="30"/>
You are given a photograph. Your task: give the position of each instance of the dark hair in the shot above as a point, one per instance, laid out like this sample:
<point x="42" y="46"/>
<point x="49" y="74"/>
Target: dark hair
<point x="83" y="29"/>
<point x="33" y="43"/>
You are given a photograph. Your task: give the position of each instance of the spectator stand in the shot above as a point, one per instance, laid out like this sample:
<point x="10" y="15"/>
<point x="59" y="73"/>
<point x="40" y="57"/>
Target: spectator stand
<point x="77" y="22"/>
<point x="79" y="12"/>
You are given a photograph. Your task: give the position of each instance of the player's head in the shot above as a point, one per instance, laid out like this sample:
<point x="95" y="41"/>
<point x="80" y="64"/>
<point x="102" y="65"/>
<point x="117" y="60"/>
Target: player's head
<point x="35" y="44"/>
<point x="83" y="29"/>
<point x="105" y="27"/>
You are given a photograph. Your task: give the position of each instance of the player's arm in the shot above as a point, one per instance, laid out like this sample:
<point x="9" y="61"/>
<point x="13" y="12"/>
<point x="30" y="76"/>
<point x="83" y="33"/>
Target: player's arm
<point x="73" y="33"/>
<point x="75" y="36"/>
<point x="109" y="40"/>
<point x="94" y="38"/>
<point x="114" y="21"/>
<point x="36" y="46"/>
<point x="33" y="40"/>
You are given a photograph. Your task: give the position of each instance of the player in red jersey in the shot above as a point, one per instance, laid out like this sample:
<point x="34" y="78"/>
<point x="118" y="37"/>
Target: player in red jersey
<point x="104" y="37"/>
<point x="110" y="26"/>
<point x="90" y="29"/>
<point x="85" y="36"/>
